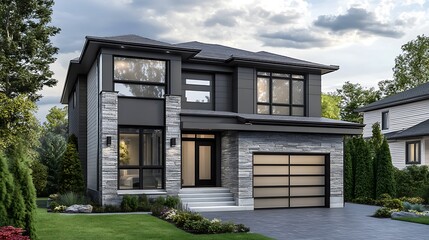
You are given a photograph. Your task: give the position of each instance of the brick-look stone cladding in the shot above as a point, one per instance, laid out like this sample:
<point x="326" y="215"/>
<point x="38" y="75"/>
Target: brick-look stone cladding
<point x="109" y="154"/>
<point x="229" y="162"/>
<point x="250" y="142"/>
<point x="172" y="154"/>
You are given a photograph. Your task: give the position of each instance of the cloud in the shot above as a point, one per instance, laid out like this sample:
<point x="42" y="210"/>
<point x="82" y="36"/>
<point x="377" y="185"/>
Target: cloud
<point x="360" y="20"/>
<point x="296" y="38"/>
<point x="227" y="18"/>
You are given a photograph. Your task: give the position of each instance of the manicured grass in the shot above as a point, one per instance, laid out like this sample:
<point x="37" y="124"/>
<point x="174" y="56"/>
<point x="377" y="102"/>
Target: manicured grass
<point x="422" y="220"/>
<point x="120" y="226"/>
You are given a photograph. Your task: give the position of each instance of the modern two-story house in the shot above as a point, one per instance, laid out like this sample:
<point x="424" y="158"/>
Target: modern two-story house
<point x="404" y="121"/>
<point x="220" y="126"/>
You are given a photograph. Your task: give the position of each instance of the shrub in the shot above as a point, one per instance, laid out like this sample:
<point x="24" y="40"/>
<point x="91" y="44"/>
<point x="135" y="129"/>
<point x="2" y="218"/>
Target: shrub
<point x="12" y="233"/>
<point x="59" y="208"/>
<point x="6" y="190"/>
<point x="129" y="203"/>
<point x="412" y="200"/>
<point x="157" y="209"/>
<point x="240" y="228"/>
<point x="385" y="177"/>
<point x="384" y="212"/>
<point x="51" y="151"/>
<point x="172" y="201"/>
<point x="182" y="217"/>
<point x="144" y="204"/>
<point x="71" y="198"/>
<point x="415" y="207"/>
<point x="53" y="205"/>
<point x="348" y="171"/>
<point x="413" y="181"/>
<point x="393" y="204"/>
<point x="111" y="208"/>
<point x="364" y="180"/>
<point x="199" y="226"/>
<point x="39" y="173"/>
<point x="71" y="178"/>
<point x="364" y="200"/>
<point x="159" y="200"/>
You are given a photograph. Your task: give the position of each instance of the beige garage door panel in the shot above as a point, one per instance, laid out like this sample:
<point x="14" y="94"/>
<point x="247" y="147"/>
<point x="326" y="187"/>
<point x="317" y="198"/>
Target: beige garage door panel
<point x="294" y="159"/>
<point x="271" y="159"/>
<point x="271" y="192"/>
<point x="270" y="181"/>
<point x="307" y="191"/>
<point x="307" y="202"/>
<point x="307" y="180"/>
<point x="270" y="170"/>
<point x="295" y="170"/>
<point x="271" y="202"/>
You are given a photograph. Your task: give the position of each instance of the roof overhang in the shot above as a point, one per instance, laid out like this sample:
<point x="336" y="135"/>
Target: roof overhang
<point x="392" y="104"/>
<point x="92" y="47"/>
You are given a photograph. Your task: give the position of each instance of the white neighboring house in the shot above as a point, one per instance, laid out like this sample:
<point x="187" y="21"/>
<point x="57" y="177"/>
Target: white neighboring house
<point x="404" y="120"/>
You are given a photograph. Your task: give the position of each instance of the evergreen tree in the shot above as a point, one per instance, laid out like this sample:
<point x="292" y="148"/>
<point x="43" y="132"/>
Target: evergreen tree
<point x="71" y="178"/>
<point x="385" y="177"/>
<point x="364" y="174"/>
<point x="348" y="171"/>
<point x="375" y="143"/>
<point x="6" y="191"/>
<point x="24" y="183"/>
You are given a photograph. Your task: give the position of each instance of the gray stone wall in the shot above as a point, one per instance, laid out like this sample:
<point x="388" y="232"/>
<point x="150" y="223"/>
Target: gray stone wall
<point x="173" y="162"/>
<point x="109" y="154"/>
<point x="250" y="142"/>
<point x="229" y="162"/>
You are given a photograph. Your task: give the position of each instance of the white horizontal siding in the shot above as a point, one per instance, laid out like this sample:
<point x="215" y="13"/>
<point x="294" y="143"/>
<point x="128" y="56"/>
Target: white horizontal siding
<point x="401" y="117"/>
<point x="397" y="152"/>
<point x="92" y="123"/>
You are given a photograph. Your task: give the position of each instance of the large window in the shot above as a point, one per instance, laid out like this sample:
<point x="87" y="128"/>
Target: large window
<point x="140" y="158"/>
<point x="385" y="120"/>
<point x="135" y="77"/>
<point x="280" y="94"/>
<point x="413" y="152"/>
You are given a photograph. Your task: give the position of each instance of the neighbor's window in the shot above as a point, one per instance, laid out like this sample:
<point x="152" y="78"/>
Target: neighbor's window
<point x="385" y="120"/>
<point x="140" y="158"/>
<point x="413" y="152"/>
<point x="280" y="94"/>
<point x="135" y="77"/>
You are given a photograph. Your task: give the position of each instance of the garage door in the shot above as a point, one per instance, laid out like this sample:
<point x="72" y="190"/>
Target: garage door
<point x="288" y="181"/>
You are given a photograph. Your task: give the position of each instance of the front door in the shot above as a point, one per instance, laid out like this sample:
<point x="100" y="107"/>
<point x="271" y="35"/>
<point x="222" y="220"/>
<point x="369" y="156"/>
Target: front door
<point x="198" y="160"/>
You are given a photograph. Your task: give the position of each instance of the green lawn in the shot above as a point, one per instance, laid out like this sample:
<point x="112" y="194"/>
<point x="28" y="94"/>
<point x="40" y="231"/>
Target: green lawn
<point x="422" y="220"/>
<point x="121" y="226"/>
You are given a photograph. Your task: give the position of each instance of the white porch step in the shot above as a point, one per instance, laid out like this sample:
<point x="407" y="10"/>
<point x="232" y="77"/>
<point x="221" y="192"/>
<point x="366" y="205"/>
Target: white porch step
<point x="220" y="209"/>
<point x="208" y="199"/>
<point x="210" y="204"/>
<point x="205" y="190"/>
<point x="204" y="195"/>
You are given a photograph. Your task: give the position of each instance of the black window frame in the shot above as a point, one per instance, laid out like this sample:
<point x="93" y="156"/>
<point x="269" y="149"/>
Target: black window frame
<point x="203" y="76"/>
<point x="141" y="167"/>
<point x="270" y="103"/>
<point x="147" y="83"/>
<point x="385" y="120"/>
<point x="418" y="154"/>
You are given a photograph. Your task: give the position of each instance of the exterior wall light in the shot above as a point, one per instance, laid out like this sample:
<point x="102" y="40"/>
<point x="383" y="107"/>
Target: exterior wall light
<point x="172" y="142"/>
<point x="109" y="141"/>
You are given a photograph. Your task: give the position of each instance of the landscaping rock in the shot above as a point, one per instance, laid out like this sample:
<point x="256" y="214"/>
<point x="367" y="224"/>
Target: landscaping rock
<point x="79" y="209"/>
<point x="404" y="214"/>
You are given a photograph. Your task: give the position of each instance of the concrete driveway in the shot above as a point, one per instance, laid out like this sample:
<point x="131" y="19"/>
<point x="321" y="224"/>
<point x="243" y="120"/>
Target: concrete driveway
<point x="351" y="222"/>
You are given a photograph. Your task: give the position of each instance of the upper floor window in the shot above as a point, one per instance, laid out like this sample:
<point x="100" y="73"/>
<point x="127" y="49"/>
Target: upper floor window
<point x="385" y="120"/>
<point x="280" y="94"/>
<point x="197" y="91"/>
<point x="136" y="77"/>
<point x="412" y="152"/>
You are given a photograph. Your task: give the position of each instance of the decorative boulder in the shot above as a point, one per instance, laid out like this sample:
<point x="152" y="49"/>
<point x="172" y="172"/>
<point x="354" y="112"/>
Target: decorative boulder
<point x="79" y="209"/>
<point x="404" y="214"/>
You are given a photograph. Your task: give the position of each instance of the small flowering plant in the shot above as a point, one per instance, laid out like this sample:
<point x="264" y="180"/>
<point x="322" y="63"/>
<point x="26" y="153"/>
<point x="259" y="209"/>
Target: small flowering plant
<point x="60" y="208"/>
<point x="12" y="233"/>
<point x="169" y="215"/>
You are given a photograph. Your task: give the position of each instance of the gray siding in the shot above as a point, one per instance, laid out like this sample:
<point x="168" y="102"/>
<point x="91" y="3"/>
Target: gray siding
<point x="314" y="90"/>
<point x="223" y="92"/>
<point x="92" y="123"/>
<point x="140" y="112"/>
<point x="244" y="87"/>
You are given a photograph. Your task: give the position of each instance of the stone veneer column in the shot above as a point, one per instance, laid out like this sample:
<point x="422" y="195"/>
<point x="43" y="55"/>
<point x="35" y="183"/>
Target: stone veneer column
<point x="173" y="162"/>
<point x="108" y="154"/>
<point x="229" y="162"/>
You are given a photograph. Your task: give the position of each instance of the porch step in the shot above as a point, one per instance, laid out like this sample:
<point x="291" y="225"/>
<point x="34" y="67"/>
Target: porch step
<point x="209" y="199"/>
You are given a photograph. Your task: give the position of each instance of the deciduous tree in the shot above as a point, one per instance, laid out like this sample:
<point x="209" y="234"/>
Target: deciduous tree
<point x="331" y="105"/>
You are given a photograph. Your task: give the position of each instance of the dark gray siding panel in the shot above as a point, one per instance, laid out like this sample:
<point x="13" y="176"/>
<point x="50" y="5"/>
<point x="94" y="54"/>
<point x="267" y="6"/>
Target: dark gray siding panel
<point x="107" y="72"/>
<point x="92" y="124"/>
<point x="206" y="68"/>
<point x="175" y="77"/>
<point x="82" y="137"/>
<point x="140" y="112"/>
<point x="245" y="87"/>
<point x="73" y="115"/>
<point x="223" y="92"/>
<point x="314" y="95"/>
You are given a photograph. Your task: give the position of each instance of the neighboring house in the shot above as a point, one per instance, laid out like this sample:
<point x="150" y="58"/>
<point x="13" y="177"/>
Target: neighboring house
<point x="404" y="121"/>
<point x="226" y="129"/>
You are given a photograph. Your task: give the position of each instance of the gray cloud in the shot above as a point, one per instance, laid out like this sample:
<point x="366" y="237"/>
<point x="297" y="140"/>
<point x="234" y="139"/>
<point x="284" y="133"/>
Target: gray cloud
<point x="358" y="19"/>
<point x="295" y="38"/>
<point x="224" y="18"/>
<point x="49" y="100"/>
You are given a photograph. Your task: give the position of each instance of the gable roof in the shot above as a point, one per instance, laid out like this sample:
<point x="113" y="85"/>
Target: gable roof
<point x="421" y="129"/>
<point x="418" y="93"/>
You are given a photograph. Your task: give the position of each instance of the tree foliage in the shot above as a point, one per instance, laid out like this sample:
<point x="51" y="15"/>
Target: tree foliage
<point x="385" y="176"/>
<point x="6" y="191"/>
<point x="354" y="96"/>
<point x="26" y="48"/>
<point x="348" y="170"/>
<point x="39" y="173"/>
<point x="364" y="174"/>
<point x="331" y="106"/>
<point x="56" y="121"/>
<point x="71" y="178"/>
<point x="411" y="67"/>
<point x="51" y="152"/>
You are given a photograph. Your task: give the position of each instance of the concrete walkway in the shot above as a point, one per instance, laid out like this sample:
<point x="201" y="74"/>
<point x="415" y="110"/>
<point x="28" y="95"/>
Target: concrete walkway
<point x="351" y="222"/>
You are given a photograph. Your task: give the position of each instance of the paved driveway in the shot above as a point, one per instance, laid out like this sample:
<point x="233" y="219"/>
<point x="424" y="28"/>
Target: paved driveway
<point x="351" y="222"/>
